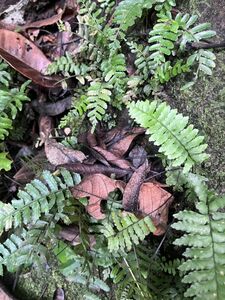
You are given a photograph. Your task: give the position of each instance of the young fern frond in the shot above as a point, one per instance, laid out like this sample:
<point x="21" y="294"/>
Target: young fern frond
<point x="192" y="33"/>
<point x="204" y="238"/>
<point x="38" y="197"/>
<point x="98" y="99"/>
<point x="129" y="230"/>
<point x="169" y="130"/>
<point x="19" y="250"/>
<point x="11" y="100"/>
<point x="66" y="64"/>
<point x="5" y="163"/>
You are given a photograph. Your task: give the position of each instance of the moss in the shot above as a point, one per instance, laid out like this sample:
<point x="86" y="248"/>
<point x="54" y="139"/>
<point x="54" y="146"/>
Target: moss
<point x="205" y="102"/>
<point x="42" y="285"/>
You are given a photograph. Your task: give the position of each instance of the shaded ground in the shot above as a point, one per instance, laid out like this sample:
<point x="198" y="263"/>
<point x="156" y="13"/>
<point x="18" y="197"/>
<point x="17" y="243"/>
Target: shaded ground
<point x="205" y="102"/>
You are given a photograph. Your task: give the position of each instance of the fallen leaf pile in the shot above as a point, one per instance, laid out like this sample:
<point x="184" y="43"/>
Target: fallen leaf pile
<point x="111" y="154"/>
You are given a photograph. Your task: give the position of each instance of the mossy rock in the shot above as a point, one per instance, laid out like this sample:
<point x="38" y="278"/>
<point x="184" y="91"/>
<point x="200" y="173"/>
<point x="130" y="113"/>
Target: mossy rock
<point x="204" y="103"/>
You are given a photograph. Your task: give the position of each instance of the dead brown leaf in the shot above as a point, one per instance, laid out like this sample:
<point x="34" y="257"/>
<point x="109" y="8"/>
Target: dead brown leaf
<point x="138" y="155"/>
<point x="52" y="109"/>
<point x="45" y="22"/>
<point x="57" y="154"/>
<point x="130" y="195"/>
<point x="96" y="187"/>
<point x="113" y="159"/>
<point x="120" y="147"/>
<point x="46" y="126"/>
<point x="25" y="57"/>
<point x="155" y="201"/>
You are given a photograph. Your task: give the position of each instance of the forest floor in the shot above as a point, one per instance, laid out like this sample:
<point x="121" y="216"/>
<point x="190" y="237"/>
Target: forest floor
<point x="205" y="106"/>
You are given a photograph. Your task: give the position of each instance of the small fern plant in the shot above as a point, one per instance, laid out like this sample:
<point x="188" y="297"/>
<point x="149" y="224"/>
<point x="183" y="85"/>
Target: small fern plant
<point x="11" y="101"/>
<point x="204" y="238"/>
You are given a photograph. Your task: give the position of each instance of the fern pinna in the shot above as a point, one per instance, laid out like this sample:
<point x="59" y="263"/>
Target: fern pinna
<point x="170" y="131"/>
<point x="204" y="238"/>
<point x="38" y="197"/>
<point x="129" y="230"/>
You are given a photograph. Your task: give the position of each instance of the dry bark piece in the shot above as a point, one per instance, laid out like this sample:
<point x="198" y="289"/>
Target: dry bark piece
<point x="25" y="57"/>
<point x="87" y="169"/>
<point x="155" y="201"/>
<point x="96" y="187"/>
<point x="113" y="159"/>
<point x="130" y="195"/>
<point x="57" y="154"/>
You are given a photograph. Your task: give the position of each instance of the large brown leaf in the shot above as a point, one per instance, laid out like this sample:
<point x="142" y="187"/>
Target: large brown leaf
<point x="25" y="57"/>
<point x="57" y="154"/>
<point x="96" y="187"/>
<point x="155" y="201"/>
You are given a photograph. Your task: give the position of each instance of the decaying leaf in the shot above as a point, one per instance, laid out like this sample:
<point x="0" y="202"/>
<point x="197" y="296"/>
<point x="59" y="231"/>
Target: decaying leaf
<point x="96" y="187"/>
<point x="113" y="159"/>
<point x="138" y="155"/>
<point x="86" y="169"/>
<point x="45" y="127"/>
<point x="120" y="147"/>
<point x="52" y="109"/>
<point x="155" y="201"/>
<point x="25" y="57"/>
<point x="45" y="22"/>
<point x="130" y="195"/>
<point x="57" y="154"/>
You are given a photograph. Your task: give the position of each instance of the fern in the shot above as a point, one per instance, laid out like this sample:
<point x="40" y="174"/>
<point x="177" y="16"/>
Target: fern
<point x="128" y="11"/>
<point x="129" y="230"/>
<point x="98" y="99"/>
<point x="204" y="238"/>
<point x="169" y="130"/>
<point x="38" y="197"/>
<point x="5" y="163"/>
<point x="21" y="249"/>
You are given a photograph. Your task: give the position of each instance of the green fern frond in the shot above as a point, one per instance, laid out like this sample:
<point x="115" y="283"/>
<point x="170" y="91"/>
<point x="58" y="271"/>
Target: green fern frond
<point x="98" y="99"/>
<point x="19" y="250"/>
<point x="10" y="102"/>
<point x="114" y="69"/>
<point x="170" y="131"/>
<point x="204" y="59"/>
<point x="38" y="197"/>
<point x="166" y="71"/>
<point x="66" y="64"/>
<point x="204" y="238"/>
<point x="162" y="40"/>
<point x="192" y="32"/>
<point x="128" y="11"/>
<point x="129" y="230"/>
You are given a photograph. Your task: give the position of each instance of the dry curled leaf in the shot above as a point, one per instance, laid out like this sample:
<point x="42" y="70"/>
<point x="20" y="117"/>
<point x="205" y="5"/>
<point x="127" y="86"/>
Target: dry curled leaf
<point x="121" y="146"/>
<point x="130" y="195"/>
<point x="57" y="154"/>
<point x="113" y="159"/>
<point x="86" y="169"/>
<point x="25" y="57"/>
<point x="96" y="187"/>
<point x="52" y="109"/>
<point x="155" y="201"/>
